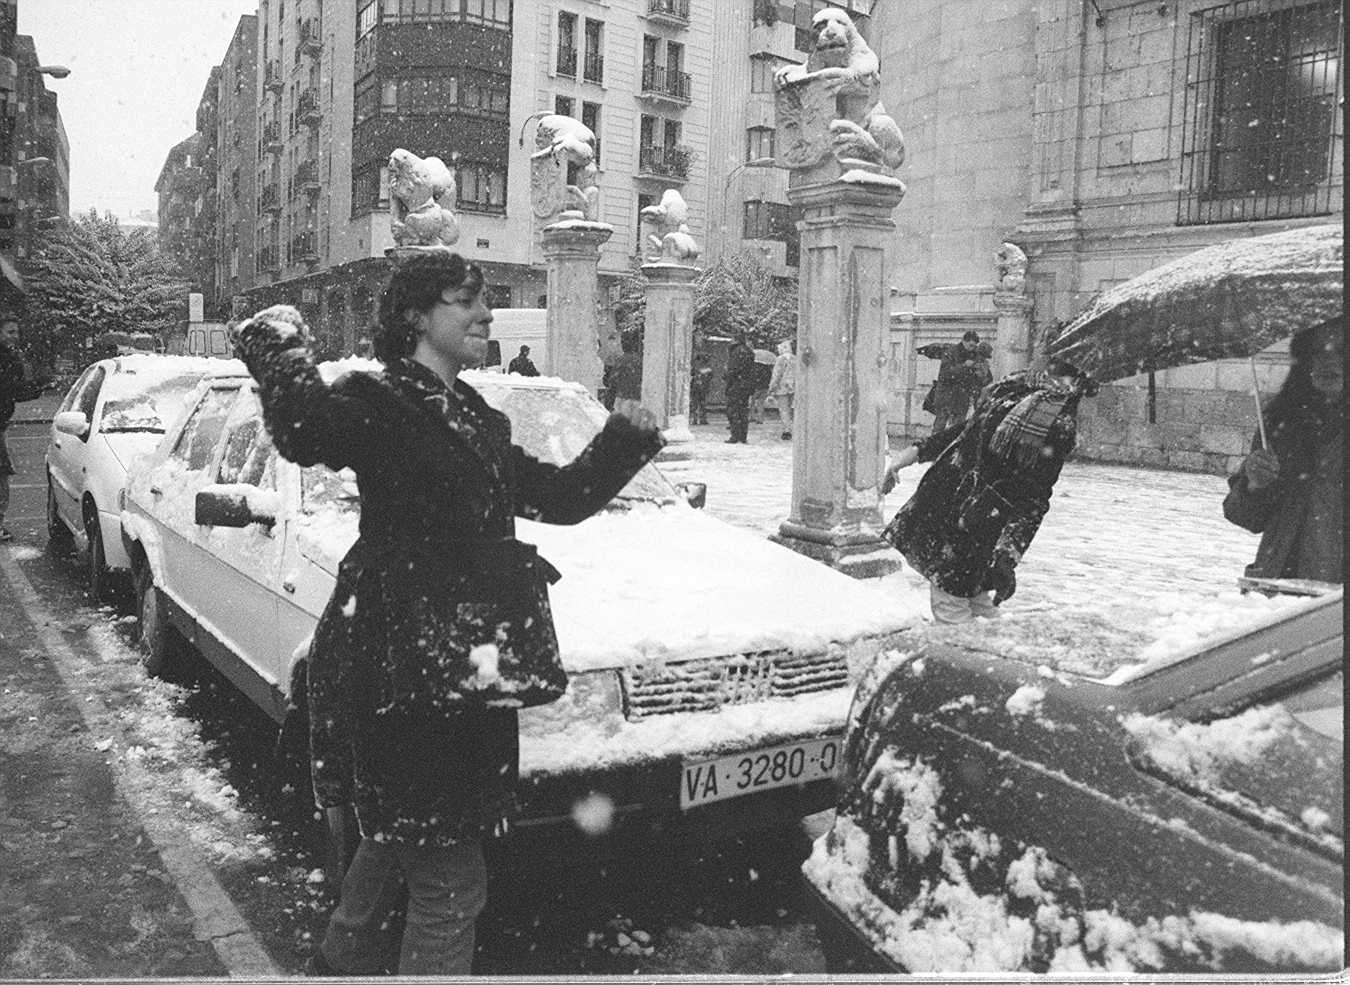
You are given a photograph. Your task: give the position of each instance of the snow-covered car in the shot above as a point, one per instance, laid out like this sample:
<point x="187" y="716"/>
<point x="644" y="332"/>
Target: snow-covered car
<point x="116" y="411"/>
<point x="1182" y="813"/>
<point x="710" y="670"/>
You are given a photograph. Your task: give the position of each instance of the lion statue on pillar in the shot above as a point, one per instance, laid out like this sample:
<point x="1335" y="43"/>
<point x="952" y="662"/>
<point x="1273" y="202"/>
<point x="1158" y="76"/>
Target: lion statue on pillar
<point x="562" y="142"/>
<point x="421" y="191"/>
<point x="672" y="241"/>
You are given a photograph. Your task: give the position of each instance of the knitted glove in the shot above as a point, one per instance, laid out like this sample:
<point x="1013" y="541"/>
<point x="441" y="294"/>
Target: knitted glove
<point x="1003" y="578"/>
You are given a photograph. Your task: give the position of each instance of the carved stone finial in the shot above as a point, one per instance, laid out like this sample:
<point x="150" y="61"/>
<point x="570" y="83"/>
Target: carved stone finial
<point x="671" y="241"/>
<point x="831" y="104"/>
<point x="1011" y="265"/>
<point x="421" y="192"/>
<point x="561" y="141"/>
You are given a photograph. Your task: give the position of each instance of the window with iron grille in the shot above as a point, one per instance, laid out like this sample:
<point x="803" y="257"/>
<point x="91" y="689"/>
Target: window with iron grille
<point x="1261" y="122"/>
<point x="758" y="143"/>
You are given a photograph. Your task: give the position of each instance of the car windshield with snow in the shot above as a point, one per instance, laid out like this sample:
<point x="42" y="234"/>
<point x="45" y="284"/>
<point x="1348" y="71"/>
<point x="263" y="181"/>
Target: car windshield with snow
<point x="116" y="411"/>
<point x="1026" y="799"/>
<point x="703" y="693"/>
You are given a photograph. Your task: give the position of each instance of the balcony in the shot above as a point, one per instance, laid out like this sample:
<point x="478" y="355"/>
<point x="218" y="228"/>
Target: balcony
<point x="266" y="261"/>
<point x="567" y="61"/>
<point x="307" y="107"/>
<point x="303" y="249"/>
<point x="669" y="164"/>
<point x="270" y="200"/>
<point x="672" y="12"/>
<point x="311" y="43"/>
<point x="307" y="176"/>
<point x="272" y="80"/>
<point x="271" y="137"/>
<point x="661" y="83"/>
<point x="593" y="68"/>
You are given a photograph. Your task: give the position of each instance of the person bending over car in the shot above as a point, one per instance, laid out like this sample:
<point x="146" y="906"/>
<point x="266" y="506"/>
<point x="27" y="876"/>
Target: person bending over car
<point x="439" y="626"/>
<point x="978" y="507"/>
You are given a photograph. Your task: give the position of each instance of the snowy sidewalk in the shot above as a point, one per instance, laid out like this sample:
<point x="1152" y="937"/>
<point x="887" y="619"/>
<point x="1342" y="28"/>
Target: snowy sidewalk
<point x="1121" y="548"/>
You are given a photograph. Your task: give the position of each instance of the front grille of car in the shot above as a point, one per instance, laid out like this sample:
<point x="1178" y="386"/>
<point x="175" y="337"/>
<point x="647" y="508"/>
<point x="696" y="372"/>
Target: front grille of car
<point x="706" y="685"/>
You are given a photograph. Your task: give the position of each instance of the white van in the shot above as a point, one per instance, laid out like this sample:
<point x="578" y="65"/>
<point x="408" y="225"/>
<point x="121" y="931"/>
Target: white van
<point x="208" y="338"/>
<point x="514" y="327"/>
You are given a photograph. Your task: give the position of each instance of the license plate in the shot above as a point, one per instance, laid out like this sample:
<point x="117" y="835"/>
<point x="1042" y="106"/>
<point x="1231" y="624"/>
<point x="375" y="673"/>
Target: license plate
<point x="708" y="780"/>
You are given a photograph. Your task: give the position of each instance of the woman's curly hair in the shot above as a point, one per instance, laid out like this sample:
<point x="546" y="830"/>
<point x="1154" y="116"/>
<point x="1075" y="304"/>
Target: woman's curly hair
<point x="417" y="284"/>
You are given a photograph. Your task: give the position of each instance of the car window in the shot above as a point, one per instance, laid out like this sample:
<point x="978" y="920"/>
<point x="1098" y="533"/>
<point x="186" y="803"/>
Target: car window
<point x="146" y="406"/>
<point x="88" y="398"/>
<point x="73" y="394"/>
<point x="322" y="489"/>
<point x="196" y="443"/>
<point x="247" y="444"/>
<point x="555" y="425"/>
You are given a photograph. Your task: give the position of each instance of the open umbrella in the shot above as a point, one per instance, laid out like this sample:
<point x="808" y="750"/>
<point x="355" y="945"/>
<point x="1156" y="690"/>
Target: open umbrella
<point x="765" y="357"/>
<point x="1226" y="301"/>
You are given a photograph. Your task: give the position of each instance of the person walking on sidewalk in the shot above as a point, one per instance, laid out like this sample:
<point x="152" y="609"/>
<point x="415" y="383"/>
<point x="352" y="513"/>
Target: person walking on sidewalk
<point x="1292" y="492"/>
<point x="16" y="386"/>
<point x="740" y="383"/>
<point x="963" y="373"/>
<point x="436" y="585"/>
<point x="700" y="381"/>
<point x="978" y="507"/>
<point x="783" y="385"/>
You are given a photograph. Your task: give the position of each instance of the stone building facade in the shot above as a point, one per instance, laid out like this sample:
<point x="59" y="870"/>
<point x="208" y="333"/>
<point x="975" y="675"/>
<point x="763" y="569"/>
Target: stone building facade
<point x="236" y="110"/>
<point x="1102" y="139"/>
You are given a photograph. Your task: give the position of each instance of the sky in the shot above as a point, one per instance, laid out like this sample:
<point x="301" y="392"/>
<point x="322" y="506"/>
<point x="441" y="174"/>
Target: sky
<point x="137" y="71"/>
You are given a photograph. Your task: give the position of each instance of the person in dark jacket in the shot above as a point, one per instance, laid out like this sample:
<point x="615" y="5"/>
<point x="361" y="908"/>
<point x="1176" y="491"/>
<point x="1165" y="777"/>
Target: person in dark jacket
<point x="435" y="580"/>
<point x="700" y="381"/>
<point x="740" y="383"/>
<point x="963" y="373"/>
<point x="625" y="374"/>
<point x="16" y="386"/>
<point x="1292" y="492"/>
<point x="523" y="365"/>
<point x="977" y="508"/>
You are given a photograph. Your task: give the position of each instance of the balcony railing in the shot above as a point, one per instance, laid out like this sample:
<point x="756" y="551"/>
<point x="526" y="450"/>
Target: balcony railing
<point x="674" y="12"/>
<point x="593" y="68"/>
<point x="662" y="83"/>
<point x="567" y="61"/>
<point x="307" y="107"/>
<point x="270" y="200"/>
<point x="266" y="261"/>
<point x="311" y="41"/>
<point x="307" y="175"/>
<point x="272" y="79"/>
<point x="302" y="248"/>
<point x="663" y="162"/>
<point x="271" y="137"/>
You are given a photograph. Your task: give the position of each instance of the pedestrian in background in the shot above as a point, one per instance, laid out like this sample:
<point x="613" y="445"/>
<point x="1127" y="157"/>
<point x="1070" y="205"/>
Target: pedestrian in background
<point x="740" y="383"/>
<point x="16" y="386"/>
<point x="625" y="375"/>
<point x="763" y="373"/>
<point x="1291" y="493"/>
<point x="783" y="385"/>
<point x="435" y="579"/>
<point x="523" y="365"/>
<point x="963" y="373"/>
<point x="977" y="508"/>
<point x="700" y="382"/>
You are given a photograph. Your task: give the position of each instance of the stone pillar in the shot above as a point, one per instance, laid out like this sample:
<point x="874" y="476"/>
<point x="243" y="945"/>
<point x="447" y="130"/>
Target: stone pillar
<point x="666" y="351"/>
<point x="572" y="344"/>
<point x="1012" y="342"/>
<point x="839" y="434"/>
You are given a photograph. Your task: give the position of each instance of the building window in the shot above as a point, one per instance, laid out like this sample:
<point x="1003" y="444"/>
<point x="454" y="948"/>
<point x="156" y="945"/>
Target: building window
<point x="482" y="187"/>
<point x="497" y="296"/>
<point x="567" y="44"/>
<point x="370" y="189"/>
<point x="493" y="13"/>
<point x="433" y="95"/>
<point x="758" y="143"/>
<point x="643" y="201"/>
<point x="768" y="220"/>
<point x="593" y="68"/>
<point x="563" y="105"/>
<point x="762" y="69"/>
<point x="1260" y="138"/>
<point x="590" y="118"/>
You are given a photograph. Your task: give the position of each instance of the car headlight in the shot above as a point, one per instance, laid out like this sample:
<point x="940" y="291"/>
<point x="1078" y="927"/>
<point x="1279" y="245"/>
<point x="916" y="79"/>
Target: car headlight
<point x="592" y="697"/>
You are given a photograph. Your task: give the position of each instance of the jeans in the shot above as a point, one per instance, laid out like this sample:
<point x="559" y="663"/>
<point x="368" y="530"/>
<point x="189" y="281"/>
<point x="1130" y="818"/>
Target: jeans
<point x="784" y="402"/>
<point x="955" y="609"/>
<point x="447" y="889"/>
<point x="738" y="416"/>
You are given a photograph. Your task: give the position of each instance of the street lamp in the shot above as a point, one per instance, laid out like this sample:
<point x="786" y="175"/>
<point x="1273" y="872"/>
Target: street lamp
<point x="756" y="162"/>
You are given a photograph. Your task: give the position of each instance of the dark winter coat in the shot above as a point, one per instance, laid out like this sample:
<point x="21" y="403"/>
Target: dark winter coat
<point x="625" y="377"/>
<point x="440" y="485"/>
<point x="741" y="378"/>
<point x="1299" y="516"/>
<point x="522" y="365"/>
<point x="925" y="529"/>
<point x="958" y="384"/>
<point x="15" y="386"/>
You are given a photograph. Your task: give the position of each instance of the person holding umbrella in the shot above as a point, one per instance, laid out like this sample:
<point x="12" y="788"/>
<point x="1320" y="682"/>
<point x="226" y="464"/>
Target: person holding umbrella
<point x="1289" y="489"/>
<point x="976" y="510"/>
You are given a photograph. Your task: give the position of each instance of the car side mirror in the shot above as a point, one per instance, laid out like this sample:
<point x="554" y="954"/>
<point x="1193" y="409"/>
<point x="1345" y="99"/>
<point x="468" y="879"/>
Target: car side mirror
<point x="72" y="422"/>
<point x="695" y="493"/>
<point x="233" y="506"/>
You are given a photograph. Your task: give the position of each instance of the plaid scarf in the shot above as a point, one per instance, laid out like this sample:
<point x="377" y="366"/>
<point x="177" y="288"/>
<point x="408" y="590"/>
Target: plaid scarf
<point x="1020" y="438"/>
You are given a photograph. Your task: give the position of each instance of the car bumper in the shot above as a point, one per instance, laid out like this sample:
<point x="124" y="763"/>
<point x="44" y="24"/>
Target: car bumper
<point x="846" y="949"/>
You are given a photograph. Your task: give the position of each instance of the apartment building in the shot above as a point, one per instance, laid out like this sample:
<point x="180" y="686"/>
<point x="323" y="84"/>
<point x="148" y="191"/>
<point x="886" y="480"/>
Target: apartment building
<point x="178" y="188"/>
<point x="340" y="86"/>
<point x="236" y="167"/>
<point x="1105" y="138"/>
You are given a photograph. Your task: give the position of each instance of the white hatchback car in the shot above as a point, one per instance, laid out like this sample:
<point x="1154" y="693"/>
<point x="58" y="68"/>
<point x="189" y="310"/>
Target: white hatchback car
<point x="115" y="412"/>
<point x="711" y="670"/>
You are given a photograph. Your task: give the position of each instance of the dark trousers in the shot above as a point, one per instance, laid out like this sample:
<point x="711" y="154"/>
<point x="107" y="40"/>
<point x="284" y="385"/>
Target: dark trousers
<point x="738" y="415"/>
<point x="698" y="408"/>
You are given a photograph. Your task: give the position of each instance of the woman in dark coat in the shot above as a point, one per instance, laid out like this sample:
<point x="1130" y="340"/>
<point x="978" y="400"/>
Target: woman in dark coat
<point x="1292" y="493"/>
<point x="434" y="601"/>
<point x="965" y="541"/>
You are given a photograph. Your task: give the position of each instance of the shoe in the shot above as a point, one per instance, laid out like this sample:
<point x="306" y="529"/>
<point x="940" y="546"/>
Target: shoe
<point x="318" y="967"/>
<point x="6" y="534"/>
<point x="787" y="436"/>
<point x="733" y="441"/>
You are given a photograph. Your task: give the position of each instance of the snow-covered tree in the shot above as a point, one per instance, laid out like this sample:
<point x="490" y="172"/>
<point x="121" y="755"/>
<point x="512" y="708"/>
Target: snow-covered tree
<point x="93" y="276"/>
<point x="737" y="294"/>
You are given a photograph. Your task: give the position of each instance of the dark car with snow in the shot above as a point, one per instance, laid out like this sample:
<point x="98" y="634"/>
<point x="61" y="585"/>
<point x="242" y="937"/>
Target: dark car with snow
<point x="710" y="670"/>
<point x="1181" y="815"/>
